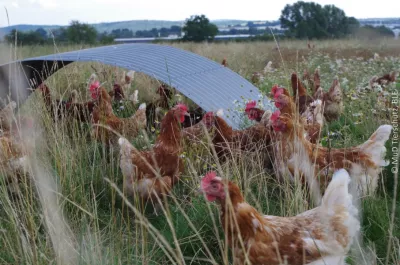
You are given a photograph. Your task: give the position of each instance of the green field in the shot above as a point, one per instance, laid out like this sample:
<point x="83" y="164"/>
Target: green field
<point x="72" y="213"/>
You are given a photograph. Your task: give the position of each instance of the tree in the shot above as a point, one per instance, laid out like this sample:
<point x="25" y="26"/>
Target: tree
<point x="81" y="33"/>
<point x="105" y="38"/>
<point x="25" y="38"/>
<point x="42" y="33"/>
<point x="311" y="20"/>
<point x="198" y="29"/>
<point x="60" y="34"/>
<point x="122" y="33"/>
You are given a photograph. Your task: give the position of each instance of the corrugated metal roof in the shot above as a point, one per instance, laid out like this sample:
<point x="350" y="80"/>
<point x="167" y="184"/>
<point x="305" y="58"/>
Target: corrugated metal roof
<point x="207" y="83"/>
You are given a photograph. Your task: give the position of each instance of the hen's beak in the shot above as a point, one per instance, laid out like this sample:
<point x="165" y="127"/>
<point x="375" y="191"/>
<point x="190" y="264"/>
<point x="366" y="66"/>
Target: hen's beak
<point x="187" y="114"/>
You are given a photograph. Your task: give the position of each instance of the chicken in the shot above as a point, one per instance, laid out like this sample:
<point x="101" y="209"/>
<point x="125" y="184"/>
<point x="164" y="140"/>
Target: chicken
<point x="332" y="101"/>
<point x="256" y="78"/>
<point x="386" y="79"/>
<point x="154" y="172"/>
<point x="7" y="115"/>
<point x="224" y="63"/>
<point x="13" y="155"/>
<point x="314" y="121"/>
<point x="226" y="140"/>
<point x="364" y="162"/>
<point x="127" y="81"/>
<point x="319" y="236"/>
<point x="256" y="114"/>
<point x="128" y="127"/>
<point x="59" y="109"/>
<point x="268" y="68"/>
<point x="300" y="93"/>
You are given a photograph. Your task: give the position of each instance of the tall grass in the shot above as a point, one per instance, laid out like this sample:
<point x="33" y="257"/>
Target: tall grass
<point x="71" y="209"/>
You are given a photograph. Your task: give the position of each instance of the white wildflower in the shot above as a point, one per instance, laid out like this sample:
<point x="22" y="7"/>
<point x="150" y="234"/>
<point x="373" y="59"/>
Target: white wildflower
<point x="178" y="97"/>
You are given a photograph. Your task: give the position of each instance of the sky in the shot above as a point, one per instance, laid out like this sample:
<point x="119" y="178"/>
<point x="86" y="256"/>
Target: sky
<point x="61" y="12"/>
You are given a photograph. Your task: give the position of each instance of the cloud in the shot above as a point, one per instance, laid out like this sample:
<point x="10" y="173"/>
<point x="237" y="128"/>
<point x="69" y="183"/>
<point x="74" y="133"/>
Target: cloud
<point x="45" y="4"/>
<point x="15" y="4"/>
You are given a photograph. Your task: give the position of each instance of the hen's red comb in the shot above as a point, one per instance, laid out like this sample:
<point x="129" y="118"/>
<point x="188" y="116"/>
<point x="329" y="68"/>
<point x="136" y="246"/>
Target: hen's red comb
<point x="274" y="89"/>
<point x="278" y="92"/>
<point x="275" y="115"/>
<point x="250" y="105"/>
<point x="209" y="114"/>
<point x="94" y="85"/>
<point x="182" y="106"/>
<point x="208" y="177"/>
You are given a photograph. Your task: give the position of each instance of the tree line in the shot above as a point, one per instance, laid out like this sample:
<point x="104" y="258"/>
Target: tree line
<point x="301" y="20"/>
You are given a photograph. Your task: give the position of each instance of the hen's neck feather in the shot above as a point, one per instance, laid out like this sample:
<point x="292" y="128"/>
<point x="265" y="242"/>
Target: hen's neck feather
<point x="170" y="129"/>
<point x="223" y="129"/>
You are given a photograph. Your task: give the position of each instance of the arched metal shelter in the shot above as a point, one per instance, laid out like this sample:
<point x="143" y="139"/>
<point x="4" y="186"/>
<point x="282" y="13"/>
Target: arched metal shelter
<point x="209" y="84"/>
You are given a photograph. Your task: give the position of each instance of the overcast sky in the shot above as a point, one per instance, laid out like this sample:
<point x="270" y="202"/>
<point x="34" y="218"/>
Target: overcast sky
<point x="60" y="12"/>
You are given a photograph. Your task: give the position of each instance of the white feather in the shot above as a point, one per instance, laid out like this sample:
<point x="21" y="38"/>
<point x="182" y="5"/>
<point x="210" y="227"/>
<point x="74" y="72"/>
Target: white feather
<point x="375" y="145"/>
<point x="134" y="97"/>
<point x="142" y="106"/>
<point x="337" y="192"/>
<point x="131" y="74"/>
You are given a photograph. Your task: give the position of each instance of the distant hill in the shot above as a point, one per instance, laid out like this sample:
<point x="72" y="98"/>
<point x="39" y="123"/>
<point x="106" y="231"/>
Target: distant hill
<point x="136" y="25"/>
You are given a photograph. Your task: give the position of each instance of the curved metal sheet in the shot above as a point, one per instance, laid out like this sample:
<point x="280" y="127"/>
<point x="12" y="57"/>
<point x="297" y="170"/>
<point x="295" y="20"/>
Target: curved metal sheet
<point x="207" y="83"/>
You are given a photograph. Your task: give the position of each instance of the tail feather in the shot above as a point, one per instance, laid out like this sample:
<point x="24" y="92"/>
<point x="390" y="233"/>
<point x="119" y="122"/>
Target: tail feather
<point x="134" y="97"/>
<point x="375" y="145"/>
<point x="125" y="145"/>
<point x="337" y="192"/>
<point x="142" y="106"/>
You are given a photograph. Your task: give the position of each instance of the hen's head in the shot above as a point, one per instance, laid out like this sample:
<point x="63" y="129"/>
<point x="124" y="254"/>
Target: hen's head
<point x="278" y="122"/>
<point x="44" y="88"/>
<point x="280" y="97"/>
<point x="209" y="119"/>
<point x="252" y="112"/>
<point x="94" y="89"/>
<point x="212" y="186"/>
<point x="180" y="111"/>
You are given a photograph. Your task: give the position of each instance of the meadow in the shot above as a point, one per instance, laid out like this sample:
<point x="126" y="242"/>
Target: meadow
<point x="73" y="212"/>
